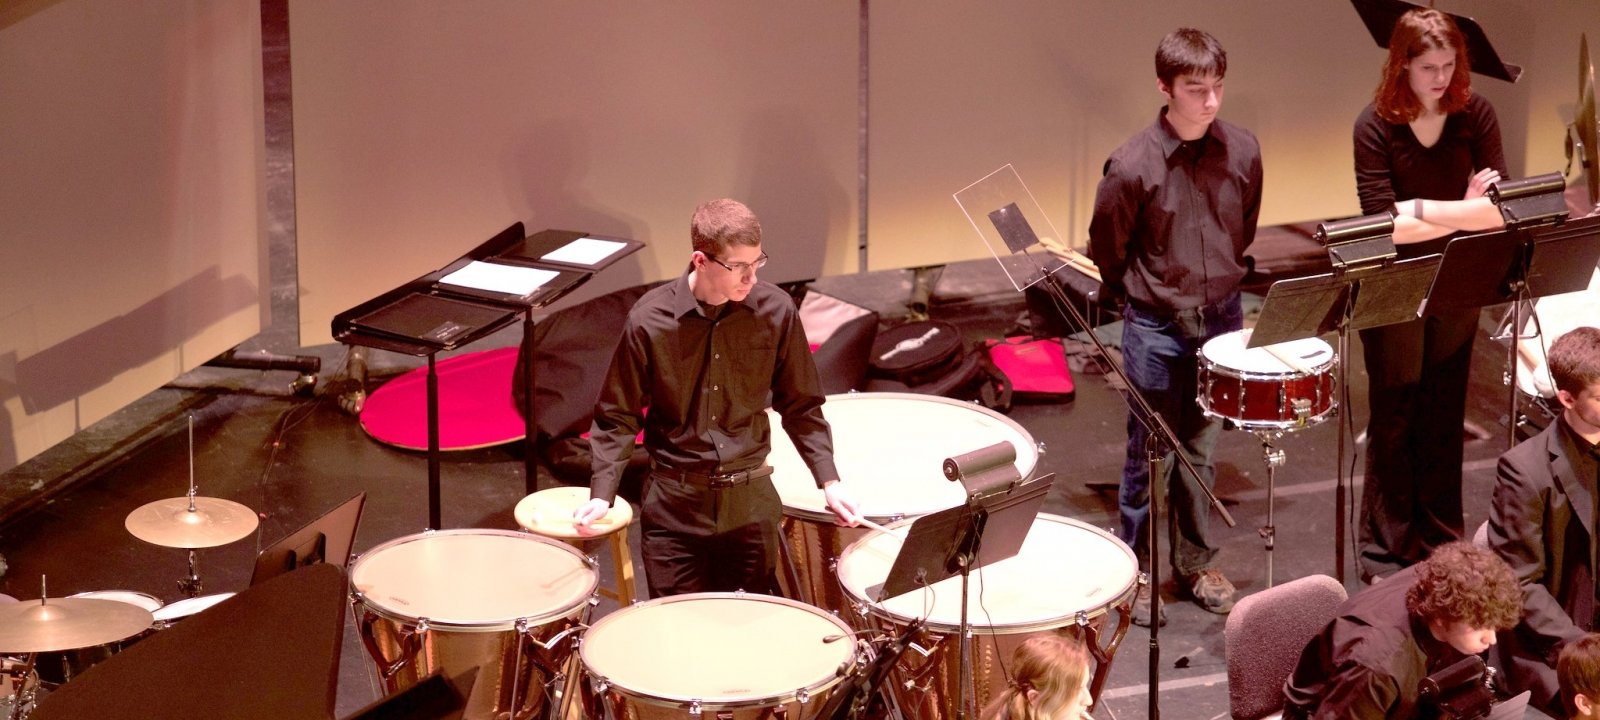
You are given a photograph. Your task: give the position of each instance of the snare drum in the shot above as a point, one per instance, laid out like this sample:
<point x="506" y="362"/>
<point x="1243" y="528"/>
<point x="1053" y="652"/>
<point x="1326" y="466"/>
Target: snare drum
<point x="59" y="667"/>
<point x="1067" y="578"/>
<point x="1288" y="386"/>
<point x="724" y="655"/>
<point x="890" y="448"/>
<point x="500" y="601"/>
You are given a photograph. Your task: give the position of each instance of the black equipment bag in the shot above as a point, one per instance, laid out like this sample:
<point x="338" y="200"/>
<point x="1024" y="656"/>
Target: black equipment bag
<point x="918" y="353"/>
<point x="930" y="357"/>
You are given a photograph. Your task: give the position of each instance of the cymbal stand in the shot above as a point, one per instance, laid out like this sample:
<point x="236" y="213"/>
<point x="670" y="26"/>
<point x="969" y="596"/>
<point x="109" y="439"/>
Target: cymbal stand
<point x="1274" y="458"/>
<point x="190" y="586"/>
<point x="22" y="699"/>
<point x="23" y="693"/>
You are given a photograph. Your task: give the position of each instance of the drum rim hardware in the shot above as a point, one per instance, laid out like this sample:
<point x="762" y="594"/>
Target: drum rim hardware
<point x="876" y="609"/>
<point x="366" y="602"/>
<point x="606" y="683"/>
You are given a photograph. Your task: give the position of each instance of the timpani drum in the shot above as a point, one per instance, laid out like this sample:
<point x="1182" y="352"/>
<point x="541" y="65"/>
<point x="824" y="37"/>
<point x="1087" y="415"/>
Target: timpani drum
<point x="1279" y="387"/>
<point x="500" y="601"/>
<point x="1067" y="578"/>
<point x="890" y="448"/>
<point x="725" y="655"/>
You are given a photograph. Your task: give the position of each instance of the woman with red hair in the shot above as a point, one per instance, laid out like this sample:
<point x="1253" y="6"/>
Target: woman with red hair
<point x="1426" y="151"/>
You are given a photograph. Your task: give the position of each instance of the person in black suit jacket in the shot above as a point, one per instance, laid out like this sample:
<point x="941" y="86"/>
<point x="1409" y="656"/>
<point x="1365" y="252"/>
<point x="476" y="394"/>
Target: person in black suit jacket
<point x="1542" y="522"/>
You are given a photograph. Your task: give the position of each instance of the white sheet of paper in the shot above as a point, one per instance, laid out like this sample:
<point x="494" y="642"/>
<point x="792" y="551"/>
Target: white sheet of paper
<point x="584" y="251"/>
<point x="494" y="277"/>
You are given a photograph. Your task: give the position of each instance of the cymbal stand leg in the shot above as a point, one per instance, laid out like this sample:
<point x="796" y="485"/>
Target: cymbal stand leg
<point x="190" y="586"/>
<point x="22" y="696"/>
<point x="1274" y="458"/>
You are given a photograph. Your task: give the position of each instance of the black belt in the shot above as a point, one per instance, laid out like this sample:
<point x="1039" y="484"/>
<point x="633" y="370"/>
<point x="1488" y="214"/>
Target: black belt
<point x="1194" y="313"/>
<point x="721" y="480"/>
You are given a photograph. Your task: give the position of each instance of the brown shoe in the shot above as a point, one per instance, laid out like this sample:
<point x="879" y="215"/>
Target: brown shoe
<point x="1141" y="607"/>
<point x="1212" y="591"/>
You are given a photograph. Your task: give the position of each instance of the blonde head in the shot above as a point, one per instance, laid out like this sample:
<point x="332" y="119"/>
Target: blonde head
<point x="1049" y="678"/>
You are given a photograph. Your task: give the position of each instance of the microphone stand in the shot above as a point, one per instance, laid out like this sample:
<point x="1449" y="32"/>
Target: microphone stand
<point x="1160" y="437"/>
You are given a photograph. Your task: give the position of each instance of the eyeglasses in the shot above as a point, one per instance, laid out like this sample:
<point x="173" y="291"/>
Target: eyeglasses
<point x="741" y="268"/>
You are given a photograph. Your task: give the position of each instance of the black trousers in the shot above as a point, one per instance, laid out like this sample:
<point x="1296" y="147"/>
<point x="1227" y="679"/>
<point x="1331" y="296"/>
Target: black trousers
<point x="1417" y="389"/>
<point x="699" y="539"/>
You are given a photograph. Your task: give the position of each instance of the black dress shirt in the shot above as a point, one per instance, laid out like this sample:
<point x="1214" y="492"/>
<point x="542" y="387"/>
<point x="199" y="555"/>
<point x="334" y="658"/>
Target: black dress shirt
<point x="1582" y="454"/>
<point x="1368" y="661"/>
<point x="706" y="382"/>
<point x="1172" y="218"/>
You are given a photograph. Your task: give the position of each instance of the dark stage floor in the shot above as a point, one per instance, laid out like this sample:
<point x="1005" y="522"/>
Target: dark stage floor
<point x="291" y="458"/>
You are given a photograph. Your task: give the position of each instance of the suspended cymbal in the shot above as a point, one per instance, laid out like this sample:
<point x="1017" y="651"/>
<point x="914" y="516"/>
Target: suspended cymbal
<point x="169" y="523"/>
<point x="68" y="624"/>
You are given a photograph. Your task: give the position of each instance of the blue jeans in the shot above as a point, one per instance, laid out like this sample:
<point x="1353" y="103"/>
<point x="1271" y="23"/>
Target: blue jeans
<point x="1161" y="355"/>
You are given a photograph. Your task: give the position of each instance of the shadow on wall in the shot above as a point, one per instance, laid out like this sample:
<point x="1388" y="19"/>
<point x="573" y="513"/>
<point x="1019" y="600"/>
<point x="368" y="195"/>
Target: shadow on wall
<point x="544" y="184"/>
<point x="803" y="208"/>
<point x="8" y="390"/>
<point x="96" y="356"/>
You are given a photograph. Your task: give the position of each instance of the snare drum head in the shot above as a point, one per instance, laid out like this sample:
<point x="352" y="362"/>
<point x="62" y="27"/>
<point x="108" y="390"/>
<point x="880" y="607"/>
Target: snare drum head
<point x="473" y="579"/>
<point x="138" y="599"/>
<point x="1065" y="567"/>
<point x="189" y="606"/>
<point x="718" y="648"/>
<point x="891" y="448"/>
<point x="1228" y="351"/>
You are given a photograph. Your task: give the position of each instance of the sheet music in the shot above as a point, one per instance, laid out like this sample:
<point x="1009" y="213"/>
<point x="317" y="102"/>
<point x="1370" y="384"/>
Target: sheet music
<point x="584" y="251"/>
<point x="494" y="277"/>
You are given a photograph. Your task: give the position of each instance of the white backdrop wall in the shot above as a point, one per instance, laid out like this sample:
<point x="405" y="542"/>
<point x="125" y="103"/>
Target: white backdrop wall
<point x="131" y="204"/>
<point x="423" y="128"/>
<point x="131" y="197"/>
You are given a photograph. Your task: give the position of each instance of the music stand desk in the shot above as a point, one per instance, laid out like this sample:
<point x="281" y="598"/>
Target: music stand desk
<point x="478" y="314"/>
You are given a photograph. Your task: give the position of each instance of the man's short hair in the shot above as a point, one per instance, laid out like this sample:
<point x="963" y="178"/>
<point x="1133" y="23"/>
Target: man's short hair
<point x="1461" y="582"/>
<point x="1574" y="360"/>
<point x="1578" y="671"/>
<point x="721" y="223"/>
<point x="1187" y="51"/>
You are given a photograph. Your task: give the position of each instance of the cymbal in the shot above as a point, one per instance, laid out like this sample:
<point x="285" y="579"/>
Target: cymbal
<point x="169" y="523"/>
<point x="68" y="624"/>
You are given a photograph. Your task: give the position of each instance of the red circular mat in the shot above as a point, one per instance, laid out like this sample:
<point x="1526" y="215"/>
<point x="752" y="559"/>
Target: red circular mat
<point x="475" y="405"/>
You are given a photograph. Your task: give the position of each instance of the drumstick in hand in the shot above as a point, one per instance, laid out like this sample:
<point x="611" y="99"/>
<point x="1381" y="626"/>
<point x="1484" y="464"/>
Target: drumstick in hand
<point x="897" y="533"/>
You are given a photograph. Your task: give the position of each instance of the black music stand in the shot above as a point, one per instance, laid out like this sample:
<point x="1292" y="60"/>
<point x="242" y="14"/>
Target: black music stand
<point x="1380" y="17"/>
<point x="287" y="630"/>
<point x="327" y="539"/>
<point x="1347" y="299"/>
<point x="957" y="540"/>
<point x="1535" y="262"/>
<point x="1005" y="205"/>
<point x="433" y="314"/>
<point x="435" y="697"/>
